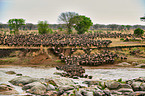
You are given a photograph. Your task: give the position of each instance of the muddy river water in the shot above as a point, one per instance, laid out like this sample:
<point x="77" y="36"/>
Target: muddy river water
<point x="109" y="74"/>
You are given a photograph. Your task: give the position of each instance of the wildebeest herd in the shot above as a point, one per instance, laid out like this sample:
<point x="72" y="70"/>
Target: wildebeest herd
<point x="58" y="42"/>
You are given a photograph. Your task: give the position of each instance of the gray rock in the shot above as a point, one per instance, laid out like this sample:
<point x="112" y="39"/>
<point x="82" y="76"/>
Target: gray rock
<point x="125" y="86"/>
<point x="63" y="81"/>
<point x="125" y="90"/>
<point x="99" y="93"/>
<point x="142" y="87"/>
<point x="141" y="66"/>
<point x="123" y="64"/>
<point x="134" y="63"/>
<point x="136" y="86"/>
<point x="10" y="72"/>
<point x="38" y="88"/>
<point x="50" y="87"/>
<point x="7" y="90"/>
<point x="23" y="80"/>
<point x="66" y="88"/>
<point x="30" y="85"/>
<point x="113" y="84"/>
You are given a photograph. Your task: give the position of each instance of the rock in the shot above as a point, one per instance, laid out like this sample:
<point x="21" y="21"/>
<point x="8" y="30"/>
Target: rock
<point x="57" y="73"/>
<point x="125" y="86"/>
<point x="66" y="88"/>
<point x="113" y="84"/>
<point x="142" y="87"/>
<point x="38" y="89"/>
<point x="30" y="85"/>
<point x="10" y="72"/>
<point x="123" y="64"/>
<point x="115" y="93"/>
<point x="50" y="87"/>
<point x="7" y="90"/>
<point x="62" y="82"/>
<point x="140" y="79"/>
<point x="137" y="93"/>
<point x="134" y="63"/>
<point x="136" y="86"/>
<point x="99" y="93"/>
<point x="141" y="66"/>
<point x="91" y="82"/>
<point x="125" y="90"/>
<point x="18" y="74"/>
<point x="23" y="80"/>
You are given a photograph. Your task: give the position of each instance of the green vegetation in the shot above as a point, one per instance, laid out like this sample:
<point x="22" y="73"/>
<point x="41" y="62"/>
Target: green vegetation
<point x="83" y="24"/>
<point x="43" y="27"/>
<point x="138" y="32"/>
<point x="15" y="24"/>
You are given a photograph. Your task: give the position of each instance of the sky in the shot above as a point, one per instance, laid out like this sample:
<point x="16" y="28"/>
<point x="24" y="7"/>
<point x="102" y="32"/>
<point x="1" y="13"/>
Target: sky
<point x="100" y="11"/>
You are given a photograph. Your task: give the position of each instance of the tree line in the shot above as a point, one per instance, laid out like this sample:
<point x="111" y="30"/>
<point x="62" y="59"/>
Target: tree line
<point x="67" y="21"/>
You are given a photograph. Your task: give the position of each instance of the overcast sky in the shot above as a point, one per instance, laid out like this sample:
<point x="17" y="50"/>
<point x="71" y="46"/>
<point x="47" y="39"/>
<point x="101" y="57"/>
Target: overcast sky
<point x="100" y="11"/>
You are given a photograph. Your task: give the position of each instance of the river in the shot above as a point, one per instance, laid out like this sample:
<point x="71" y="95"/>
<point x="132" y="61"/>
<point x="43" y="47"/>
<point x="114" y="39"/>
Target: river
<point x="109" y="74"/>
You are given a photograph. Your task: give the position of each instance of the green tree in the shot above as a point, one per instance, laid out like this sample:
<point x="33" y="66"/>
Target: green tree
<point x="138" y="32"/>
<point x="43" y="27"/>
<point x="142" y="18"/>
<point x="65" y="17"/>
<point x="15" y="24"/>
<point x="82" y="24"/>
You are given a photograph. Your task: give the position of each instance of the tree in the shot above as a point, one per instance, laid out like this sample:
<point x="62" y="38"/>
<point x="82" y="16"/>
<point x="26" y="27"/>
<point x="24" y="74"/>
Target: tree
<point x="142" y="18"/>
<point x="128" y="27"/>
<point x="113" y="26"/>
<point x="138" y="32"/>
<point x="43" y="27"/>
<point x="82" y="24"/>
<point x="65" y="17"/>
<point x="15" y="24"/>
<point x="29" y="26"/>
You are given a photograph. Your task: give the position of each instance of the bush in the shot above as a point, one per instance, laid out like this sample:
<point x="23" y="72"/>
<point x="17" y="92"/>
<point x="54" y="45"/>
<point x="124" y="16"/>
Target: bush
<point x="138" y="32"/>
<point x="122" y="39"/>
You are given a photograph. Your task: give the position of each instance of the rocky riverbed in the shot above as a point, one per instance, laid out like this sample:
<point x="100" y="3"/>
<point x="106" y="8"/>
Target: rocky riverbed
<point x="105" y="82"/>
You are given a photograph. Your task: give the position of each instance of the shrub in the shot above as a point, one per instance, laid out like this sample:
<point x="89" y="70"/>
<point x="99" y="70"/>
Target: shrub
<point x="138" y="32"/>
<point x="122" y="39"/>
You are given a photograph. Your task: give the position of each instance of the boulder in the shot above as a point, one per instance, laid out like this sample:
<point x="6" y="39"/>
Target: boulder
<point x="30" y="85"/>
<point x="142" y="87"/>
<point x="7" y="90"/>
<point x="136" y="86"/>
<point x="23" y="80"/>
<point x="134" y="63"/>
<point x="141" y="66"/>
<point x="123" y="64"/>
<point x="112" y="85"/>
<point x="38" y="89"/>
<point x="50" y="87"/>
<point x="125" y="86"/>
<point x="66" y="88"/>
<point x="10" y="72"/>
<point x="62" y="82"/>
